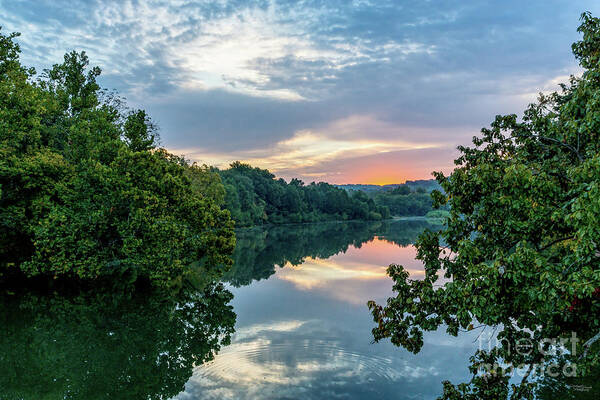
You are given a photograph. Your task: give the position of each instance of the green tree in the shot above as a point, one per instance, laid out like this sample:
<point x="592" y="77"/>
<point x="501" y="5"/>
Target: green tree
<point x="255" y="197"/>
<point x="139" y="131"/>
<point x="73" y="85"/>
<point x="519" y="251"/>
<point x="402" y="190"/>
<point x="83" y="190"/>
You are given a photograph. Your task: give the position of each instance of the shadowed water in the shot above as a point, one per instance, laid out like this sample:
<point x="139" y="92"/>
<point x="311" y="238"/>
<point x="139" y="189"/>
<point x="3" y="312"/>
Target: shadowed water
<point x="289" y="321"/>
<point x="107" y="344"/>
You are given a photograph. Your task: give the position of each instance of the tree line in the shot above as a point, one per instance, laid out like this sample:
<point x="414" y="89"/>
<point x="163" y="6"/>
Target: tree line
<point x="255" y="196"/>
<point x="403" y="201"/>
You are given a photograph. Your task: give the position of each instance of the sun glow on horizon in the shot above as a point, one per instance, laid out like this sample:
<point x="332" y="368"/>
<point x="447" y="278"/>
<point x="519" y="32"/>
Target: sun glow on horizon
<point x="378" y="174"/>
<point x="341" y="153"/>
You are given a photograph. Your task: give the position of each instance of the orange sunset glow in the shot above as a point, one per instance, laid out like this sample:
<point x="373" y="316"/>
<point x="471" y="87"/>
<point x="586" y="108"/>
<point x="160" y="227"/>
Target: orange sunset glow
<point x="362" y="271"/>
<point x="380" y="175"/>
<point x="339" y="153"/>
<point x="382" y="168"/>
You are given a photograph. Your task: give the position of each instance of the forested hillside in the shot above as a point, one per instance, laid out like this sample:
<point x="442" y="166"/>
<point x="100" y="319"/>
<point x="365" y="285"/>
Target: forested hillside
<point x="255" y="197"/>
<point x="403" y="201"/>
<point x="428" y="185"/>
<point x="412" y="198"/>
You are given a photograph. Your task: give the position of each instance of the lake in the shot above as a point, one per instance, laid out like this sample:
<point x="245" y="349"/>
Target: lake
<point x="288" y="321"/>
<point x="303" y="330"/>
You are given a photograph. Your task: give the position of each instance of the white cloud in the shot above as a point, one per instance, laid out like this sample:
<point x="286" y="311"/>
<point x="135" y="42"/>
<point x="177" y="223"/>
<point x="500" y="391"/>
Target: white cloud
<point x="200" y="50"/>
<point x="354" y="136"/>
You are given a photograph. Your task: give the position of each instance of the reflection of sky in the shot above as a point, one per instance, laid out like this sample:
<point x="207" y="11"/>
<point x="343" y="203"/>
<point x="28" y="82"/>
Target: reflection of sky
<point x="356" y="276"/>
<point x="305" y="333"/>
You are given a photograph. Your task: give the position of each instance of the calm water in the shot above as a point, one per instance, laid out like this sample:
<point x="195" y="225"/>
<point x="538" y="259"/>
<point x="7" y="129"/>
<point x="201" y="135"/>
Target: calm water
<point x="289" y="321"/>
<point x="303" y="328"/>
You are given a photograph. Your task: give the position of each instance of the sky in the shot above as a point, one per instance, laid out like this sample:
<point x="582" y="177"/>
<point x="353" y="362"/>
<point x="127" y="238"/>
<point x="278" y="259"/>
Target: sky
<point x="337" y="91"/>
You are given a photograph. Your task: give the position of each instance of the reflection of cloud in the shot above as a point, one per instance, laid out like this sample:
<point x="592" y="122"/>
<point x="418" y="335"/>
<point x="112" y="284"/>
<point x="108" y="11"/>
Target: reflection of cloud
<point x="305" y="333"/>
<point x="307" y="362"/>
<point x="381" y="252"/>
<point x="355" y="276"/>
<point x="314" y="272"/>
<point x="265" y="364"/>
<point x="281" y="326"/>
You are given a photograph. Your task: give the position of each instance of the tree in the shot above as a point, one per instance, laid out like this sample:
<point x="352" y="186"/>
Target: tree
<point x="73" y="85"/>
<point x="83" y="190"/>
<point x="255" y="197"/>
<point x="139" y="131"/>
<point x="402" y="190"/>
<point x="520" y="248"/>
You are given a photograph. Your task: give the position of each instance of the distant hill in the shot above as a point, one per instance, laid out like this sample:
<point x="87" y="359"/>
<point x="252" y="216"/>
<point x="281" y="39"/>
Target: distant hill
<point x="427" y="184"/>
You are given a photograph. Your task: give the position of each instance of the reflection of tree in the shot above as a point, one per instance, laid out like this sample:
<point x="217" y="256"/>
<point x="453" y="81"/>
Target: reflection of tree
<point x="564" y="387"/>
<point x="259" y="250"/>
<point x="103" y="345"/>
<point x="112" y="343"/>
<point x="404" y="233"/>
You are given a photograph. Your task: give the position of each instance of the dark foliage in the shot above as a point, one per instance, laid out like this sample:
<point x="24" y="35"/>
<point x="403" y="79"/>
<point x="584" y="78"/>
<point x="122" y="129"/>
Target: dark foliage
<point x="520" y="250"/>
<point x="255" y="197"/>
<point x="84" y="191"/>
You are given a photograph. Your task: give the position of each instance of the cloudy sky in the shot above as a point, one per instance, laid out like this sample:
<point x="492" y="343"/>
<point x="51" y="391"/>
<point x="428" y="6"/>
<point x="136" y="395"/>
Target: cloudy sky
<point x="340" y="91"/>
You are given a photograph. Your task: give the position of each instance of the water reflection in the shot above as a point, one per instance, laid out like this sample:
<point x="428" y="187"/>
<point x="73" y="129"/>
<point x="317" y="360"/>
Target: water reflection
<point x="260" y="251"/>
<point x="305" y="332"/>
<point x="103" y="344"/>
<point x="302" y="329"/>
